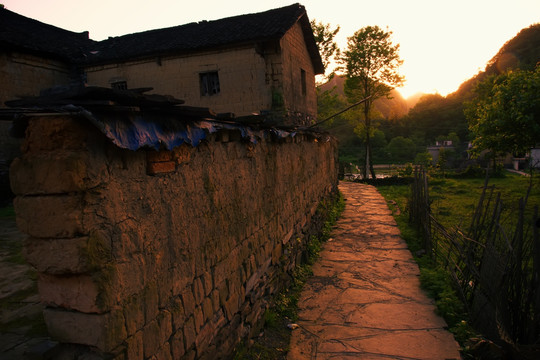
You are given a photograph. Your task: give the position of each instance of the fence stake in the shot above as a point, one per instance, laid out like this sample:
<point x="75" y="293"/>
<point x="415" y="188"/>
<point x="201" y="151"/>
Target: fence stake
<point x="536" y="271"/>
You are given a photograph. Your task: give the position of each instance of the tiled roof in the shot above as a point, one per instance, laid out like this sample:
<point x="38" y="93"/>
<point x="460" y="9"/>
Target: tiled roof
<point x="21" y="33"/>
<point x="242" y="29"/>
<point x="17" y="31"/>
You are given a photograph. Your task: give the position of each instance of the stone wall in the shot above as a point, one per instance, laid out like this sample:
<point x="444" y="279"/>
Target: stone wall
<point x="163" y="255"/>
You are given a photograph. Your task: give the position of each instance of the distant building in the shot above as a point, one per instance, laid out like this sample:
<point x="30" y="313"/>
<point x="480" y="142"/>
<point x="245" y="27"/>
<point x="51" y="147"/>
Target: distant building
<point x="256" y="63"/>
<point x="535" y="158"/>
<point x="434" y="151"/>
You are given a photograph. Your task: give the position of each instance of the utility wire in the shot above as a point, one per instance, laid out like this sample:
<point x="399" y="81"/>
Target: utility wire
<point x="341" y="112"/>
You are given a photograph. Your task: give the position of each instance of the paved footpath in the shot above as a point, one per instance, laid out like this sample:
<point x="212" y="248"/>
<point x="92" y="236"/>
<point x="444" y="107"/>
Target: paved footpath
<point x="364" y="300"/>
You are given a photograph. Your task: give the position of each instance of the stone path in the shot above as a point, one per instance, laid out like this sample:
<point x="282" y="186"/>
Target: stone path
<point x="364" y="300"/>
<point x="22" y="330"/>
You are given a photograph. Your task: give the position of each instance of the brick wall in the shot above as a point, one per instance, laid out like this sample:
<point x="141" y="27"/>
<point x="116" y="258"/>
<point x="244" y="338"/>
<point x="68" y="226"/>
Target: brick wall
<point x="163" y="255"/>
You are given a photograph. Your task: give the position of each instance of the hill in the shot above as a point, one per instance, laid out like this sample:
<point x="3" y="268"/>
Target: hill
<point x="434" y="115"/>
<point x="413" y="99"/>
<point x="520" y="52"/>
<point x="392" y="108"/>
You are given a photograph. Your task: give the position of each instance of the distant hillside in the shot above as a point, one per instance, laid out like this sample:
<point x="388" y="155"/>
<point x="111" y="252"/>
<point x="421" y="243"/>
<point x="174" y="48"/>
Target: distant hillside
<point x="393" y="108"/>
<point x="434" y="116"/>
<point x="520" y="52"/>
<point x="523" y="52"/>
<point x="413" y="99"/>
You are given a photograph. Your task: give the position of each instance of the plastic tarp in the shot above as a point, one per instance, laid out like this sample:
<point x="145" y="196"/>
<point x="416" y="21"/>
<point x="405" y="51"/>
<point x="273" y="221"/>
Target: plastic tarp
<point x="135" y="130"/>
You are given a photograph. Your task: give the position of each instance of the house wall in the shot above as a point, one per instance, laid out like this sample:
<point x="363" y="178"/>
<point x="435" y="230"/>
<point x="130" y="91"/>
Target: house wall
<point x="26" y="75"/>
<point x="251" y="80"/>
<point x="164" y="255"/>
<point x="295" y="57"/>
<point x="241" y="76"/>
<point x="535" y="158"/>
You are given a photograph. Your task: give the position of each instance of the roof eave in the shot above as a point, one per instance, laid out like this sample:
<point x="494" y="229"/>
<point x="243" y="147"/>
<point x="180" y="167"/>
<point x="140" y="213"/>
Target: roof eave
<point x="6" y="47"/>
<point x="177" y="52"/>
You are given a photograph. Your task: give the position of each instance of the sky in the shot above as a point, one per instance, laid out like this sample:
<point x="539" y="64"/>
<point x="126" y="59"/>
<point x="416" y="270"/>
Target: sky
<point x="442" y="43"/>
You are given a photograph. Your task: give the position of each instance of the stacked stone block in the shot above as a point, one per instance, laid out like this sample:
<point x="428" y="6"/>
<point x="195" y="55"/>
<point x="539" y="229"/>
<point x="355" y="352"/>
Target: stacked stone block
<point x="163" y="255"/>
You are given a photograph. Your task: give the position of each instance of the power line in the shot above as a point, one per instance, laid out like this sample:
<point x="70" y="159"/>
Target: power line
<point x="342" y="111"/>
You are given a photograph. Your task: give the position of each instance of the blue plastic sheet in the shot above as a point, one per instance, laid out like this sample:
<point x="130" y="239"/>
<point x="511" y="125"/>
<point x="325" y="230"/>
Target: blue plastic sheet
<point x="133" y="130"/>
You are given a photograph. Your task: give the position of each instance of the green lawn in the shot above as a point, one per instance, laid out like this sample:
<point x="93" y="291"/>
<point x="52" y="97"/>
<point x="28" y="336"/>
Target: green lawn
<point x="7" y="211"/>
<point x="453" y="200"/>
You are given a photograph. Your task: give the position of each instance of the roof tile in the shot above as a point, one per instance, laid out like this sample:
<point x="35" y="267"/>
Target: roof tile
<point x="17" y="31"/>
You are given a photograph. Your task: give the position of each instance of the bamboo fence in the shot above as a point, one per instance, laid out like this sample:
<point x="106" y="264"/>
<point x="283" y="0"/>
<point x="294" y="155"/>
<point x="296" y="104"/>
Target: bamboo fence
<point x="494" y="262"/>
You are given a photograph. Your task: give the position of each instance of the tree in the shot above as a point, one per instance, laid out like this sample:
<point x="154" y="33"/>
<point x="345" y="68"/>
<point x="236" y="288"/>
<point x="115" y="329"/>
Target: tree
<point x="324" y="38"/>
<point x="505" y="115"/>
<point x="371" y="65"/>
<point x="424" y="158"/>
<point x="401" y="149"/>
<point x="327" y="102"/>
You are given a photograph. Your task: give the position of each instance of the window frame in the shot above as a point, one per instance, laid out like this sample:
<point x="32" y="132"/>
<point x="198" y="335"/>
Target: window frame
<point x="303" y="81"/>
<point x="119" y="85"/>
<point x="209" y="83"/>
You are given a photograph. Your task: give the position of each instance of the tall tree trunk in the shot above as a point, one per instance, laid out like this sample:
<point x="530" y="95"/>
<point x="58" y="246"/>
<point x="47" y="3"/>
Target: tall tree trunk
<point x="366" y="160"/>
<point x="366" y="142"/>
<point x="371" y="169"/>
<point x="369" y="159"/>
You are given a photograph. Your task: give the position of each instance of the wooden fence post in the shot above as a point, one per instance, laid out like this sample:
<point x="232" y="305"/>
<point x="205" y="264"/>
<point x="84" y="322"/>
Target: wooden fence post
<point x="427" y="216"/>
<point x="536" y="273"/>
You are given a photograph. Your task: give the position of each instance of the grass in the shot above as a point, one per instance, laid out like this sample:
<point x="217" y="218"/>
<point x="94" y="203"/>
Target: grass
<point x="453" y="203"/>
<point x="274" y="344"/>
<point x="7" y="211"/>
<point x="13" y="249"/>
<point x="454" y="200"/>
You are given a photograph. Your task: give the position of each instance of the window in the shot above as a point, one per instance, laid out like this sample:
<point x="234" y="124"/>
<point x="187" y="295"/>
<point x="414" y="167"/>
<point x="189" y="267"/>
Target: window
<point x="119" y="85"/>
<point x="303" y="79"/>
<point x="209" y="83"/>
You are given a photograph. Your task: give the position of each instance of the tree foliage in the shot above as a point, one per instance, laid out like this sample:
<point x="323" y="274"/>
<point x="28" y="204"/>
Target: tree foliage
<point x="505" y="115"/>
<point x="520" y="52"/>
<point x="435" y="116"/>
<point x="324" y="38"/>
<point x="371" y="64"/>
<point x="328" y="103"/>
<point x="401" y="149"/>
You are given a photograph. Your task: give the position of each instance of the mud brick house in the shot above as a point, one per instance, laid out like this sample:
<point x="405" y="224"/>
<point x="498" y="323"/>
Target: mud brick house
<point x="256" y="63"/>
